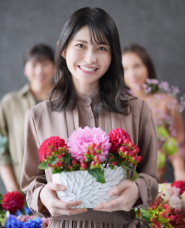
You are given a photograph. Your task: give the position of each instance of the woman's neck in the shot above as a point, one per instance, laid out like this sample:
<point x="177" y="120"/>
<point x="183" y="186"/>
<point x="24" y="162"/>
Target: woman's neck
<point x="139" y="93"/>
<point x="85" y="88"/>
<point x="41" y="93"/>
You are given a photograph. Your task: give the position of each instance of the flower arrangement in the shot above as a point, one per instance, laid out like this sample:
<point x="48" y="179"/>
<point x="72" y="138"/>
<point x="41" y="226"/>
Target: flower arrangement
<point x="168" y="208"/>
<point x="91" y="150"/>
<point x="14" y="214"/>
<point x="164" y="121"/>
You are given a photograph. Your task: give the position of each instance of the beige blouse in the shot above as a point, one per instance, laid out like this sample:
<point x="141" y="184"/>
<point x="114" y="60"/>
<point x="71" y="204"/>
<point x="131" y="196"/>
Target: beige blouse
<point x="41" y="123"/>
<point x="13" y="108"/>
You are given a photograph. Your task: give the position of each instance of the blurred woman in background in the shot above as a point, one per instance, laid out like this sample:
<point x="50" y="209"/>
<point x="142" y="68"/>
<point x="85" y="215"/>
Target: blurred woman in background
<point x="138" y="67"/>
<point x="39" y="70"/>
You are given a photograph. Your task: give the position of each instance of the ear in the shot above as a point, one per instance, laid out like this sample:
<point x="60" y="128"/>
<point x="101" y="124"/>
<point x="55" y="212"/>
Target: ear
<point x="63" y="53"/>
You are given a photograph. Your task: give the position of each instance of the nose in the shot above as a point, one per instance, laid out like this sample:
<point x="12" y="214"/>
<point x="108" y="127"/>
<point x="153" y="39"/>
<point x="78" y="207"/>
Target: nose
<point x="90" y="57"/>
<point x="38" y="69"/>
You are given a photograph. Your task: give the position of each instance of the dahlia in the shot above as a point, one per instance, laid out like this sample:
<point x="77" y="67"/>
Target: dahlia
<point x="49" y="145"/>
<point x="177" y="218"/>
<point x="82" y="138"/>
<point x="12" y="201"/>
<point x="117" y="138"/>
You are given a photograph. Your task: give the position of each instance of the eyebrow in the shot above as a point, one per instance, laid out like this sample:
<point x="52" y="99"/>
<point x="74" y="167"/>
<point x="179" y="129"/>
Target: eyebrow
<point x="84" y="41"/>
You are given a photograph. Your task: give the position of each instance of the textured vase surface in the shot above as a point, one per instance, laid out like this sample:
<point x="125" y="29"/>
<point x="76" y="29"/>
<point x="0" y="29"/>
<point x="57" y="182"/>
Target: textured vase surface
<point x="82" y="186"/>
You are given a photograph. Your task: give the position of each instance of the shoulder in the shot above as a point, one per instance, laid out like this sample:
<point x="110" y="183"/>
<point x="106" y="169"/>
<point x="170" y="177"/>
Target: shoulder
<point x="139" y="106"/>
<point x="39" y="109"/>
<point x="9" y="99"/>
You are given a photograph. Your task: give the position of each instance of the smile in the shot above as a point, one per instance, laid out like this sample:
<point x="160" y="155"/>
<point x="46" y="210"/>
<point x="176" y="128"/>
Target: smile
<point x="89" y="69"/>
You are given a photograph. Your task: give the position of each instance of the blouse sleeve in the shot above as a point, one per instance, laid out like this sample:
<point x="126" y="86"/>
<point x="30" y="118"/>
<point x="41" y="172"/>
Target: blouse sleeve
<point x="147" y="168"/>
<point x="33" y="179"/>
<point x="5" y="157"/>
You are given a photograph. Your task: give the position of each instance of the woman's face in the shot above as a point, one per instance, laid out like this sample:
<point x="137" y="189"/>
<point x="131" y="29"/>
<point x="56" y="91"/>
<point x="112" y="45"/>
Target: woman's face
<point x="135" y="72"/>
<point x="87" y="62"/>
<point x="39" y="73"/>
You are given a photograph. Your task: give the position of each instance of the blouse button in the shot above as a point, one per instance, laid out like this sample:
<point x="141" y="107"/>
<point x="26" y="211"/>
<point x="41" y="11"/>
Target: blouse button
<point x="90" y="116"/>
<point x="88" y="101"/>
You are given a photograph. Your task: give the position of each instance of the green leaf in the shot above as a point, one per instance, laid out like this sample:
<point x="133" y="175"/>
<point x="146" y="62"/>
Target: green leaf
<point x="115" y="158"/>
<point x="88" y="159"/>
<point x="43" y="165"/>
<point x="57" y="170"/>
<point x="126" y="166"/>
<point x="145" y="217"/>
<point x="67" y="157"/>
<point x="97" y="174"/>
<point x="53" y="160"/>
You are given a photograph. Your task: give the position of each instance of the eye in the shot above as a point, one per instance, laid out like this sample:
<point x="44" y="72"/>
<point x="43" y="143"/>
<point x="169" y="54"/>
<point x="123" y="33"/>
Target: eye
<point x="80" y="45"/>
<point x="102" y="49"/>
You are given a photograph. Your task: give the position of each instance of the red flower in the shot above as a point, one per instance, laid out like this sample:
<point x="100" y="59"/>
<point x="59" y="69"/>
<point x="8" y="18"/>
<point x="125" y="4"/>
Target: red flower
<point x="179" y="184"/>
<point x="12" y="201"/>
<point x="177" y="218"/>
<point x="117" y="137"/>
<point x="49" y="145"/>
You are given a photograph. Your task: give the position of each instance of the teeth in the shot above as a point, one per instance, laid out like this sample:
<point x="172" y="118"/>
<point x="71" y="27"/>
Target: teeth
<point x="87" y="68"/>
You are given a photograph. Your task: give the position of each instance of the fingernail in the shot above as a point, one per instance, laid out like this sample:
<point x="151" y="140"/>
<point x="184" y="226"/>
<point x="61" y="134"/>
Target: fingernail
<point x="62" y="188"/>
<point x="98" y="207"/>
<point x="84" y="210"/>
<point x="111" y="193"/>
<point x="79" y="203"/>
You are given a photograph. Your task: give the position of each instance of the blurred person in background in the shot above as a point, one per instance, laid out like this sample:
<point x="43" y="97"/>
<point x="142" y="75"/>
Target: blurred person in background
<point x="39" y="70"/>
<point x="138" y="67"/>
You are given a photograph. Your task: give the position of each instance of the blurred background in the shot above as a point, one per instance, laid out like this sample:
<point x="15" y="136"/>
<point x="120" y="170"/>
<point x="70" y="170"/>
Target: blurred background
<point x="156" y="25"/>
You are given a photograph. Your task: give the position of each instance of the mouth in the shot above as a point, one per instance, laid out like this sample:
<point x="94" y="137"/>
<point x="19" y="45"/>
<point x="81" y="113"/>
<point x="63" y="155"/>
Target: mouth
<point x="87" y="69"/>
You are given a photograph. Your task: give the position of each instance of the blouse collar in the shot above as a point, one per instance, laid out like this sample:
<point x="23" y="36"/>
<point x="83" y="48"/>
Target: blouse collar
<point x="86" y="100"/>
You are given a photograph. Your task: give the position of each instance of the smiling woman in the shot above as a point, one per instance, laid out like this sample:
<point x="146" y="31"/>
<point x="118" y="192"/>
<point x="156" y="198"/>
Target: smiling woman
<point x="90" y="91"/>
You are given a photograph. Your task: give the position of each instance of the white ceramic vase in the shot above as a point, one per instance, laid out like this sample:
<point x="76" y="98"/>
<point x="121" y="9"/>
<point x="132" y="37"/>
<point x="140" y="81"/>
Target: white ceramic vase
<point x="82" y="186"/>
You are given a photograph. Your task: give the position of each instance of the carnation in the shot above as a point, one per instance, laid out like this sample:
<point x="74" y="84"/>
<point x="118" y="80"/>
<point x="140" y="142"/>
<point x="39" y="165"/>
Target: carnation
<point x="12" y="201"/>
<point x="175" y="202"/>
<point x="82" y="138"/>
<point x="49" y="145"/>
<point x="117" y="137"/>
<point x="165" y="191"/>
<point x="179" y="184"/>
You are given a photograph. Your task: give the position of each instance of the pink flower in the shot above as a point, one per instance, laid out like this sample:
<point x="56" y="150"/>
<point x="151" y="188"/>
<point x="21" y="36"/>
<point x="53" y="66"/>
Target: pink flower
<point x="175" y="202"/>
<point x="174" y="191"/>
<point x="81" y="138"/>
<point x="45" y="222"/>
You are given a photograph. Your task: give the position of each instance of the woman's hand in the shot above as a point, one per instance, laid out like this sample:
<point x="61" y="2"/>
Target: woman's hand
<point x="55" y="206"/>
<point x="128" y="192"/>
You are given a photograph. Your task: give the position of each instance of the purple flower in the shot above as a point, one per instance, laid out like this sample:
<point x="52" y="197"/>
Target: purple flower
<point x="81" y="138"/>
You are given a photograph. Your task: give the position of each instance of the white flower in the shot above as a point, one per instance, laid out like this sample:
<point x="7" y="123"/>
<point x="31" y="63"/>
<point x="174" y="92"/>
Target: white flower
<point x="165" y="191"/>
<point x="182" y="197"/>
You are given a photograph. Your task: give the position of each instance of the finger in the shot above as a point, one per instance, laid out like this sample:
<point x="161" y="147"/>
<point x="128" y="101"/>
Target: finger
<point x="55" y="186"/>
<point x="66" y="205"/>
<point x="114" y="203"/>
<point x="120" y="187"/>
<point x="56" y="212"/>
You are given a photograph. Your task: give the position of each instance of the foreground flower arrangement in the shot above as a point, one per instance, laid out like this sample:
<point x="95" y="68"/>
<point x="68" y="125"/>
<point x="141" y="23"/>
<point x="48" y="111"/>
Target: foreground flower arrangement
<point x="91" y="150"/>
<point x="14" y="214"/>
<point x="168" y="209"/>
<point x="89" y="164"/>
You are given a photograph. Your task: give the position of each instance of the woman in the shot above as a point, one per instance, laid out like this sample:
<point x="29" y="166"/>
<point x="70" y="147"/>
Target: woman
<point x="137" y="68"/>
<point x="39" y="70"/>
<point x="89" y="92"/>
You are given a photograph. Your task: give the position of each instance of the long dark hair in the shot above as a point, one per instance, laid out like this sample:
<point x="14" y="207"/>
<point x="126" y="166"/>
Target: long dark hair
<point x="112" y="93"/>
<point x="144" y="56"/>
